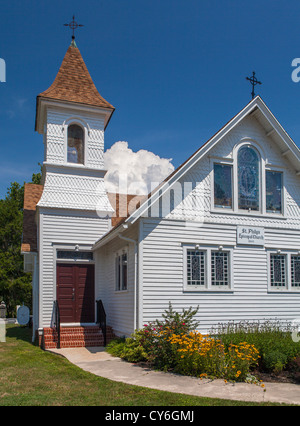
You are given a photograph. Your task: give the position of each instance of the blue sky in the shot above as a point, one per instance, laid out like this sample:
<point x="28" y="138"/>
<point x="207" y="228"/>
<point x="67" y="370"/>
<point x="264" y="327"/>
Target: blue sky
<point x="174" y="69"/>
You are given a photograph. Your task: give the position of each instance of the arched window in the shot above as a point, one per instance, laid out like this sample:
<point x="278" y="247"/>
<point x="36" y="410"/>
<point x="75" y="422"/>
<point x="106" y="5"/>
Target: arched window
<point x="75" y="144"/>
<point x="248" y="178"/>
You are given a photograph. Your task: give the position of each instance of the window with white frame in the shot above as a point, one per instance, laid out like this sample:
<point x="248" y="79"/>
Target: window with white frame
<point x="274" y="191"/>
<point x="207" y="268"/>
<point x="74" y="255"/>
<point x="284" y="270"/>
<point x="278" y="270"/>
<point x="247" y="184"/>
<point x="196" y="267"/>
<point x="223" y="186"/>
<point x="295" y="270"/>
<point x="248" y="178"/>
<point x="75" y="153"/>
<point x="121" y="272"/>
<point x="220" y="268"/>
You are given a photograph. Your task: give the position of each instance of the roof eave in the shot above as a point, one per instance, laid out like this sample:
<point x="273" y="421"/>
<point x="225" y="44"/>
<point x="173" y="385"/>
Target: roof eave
<point x="42" y="102"/>
<point x="256" y="104"/>
<point x="110" y="235"/>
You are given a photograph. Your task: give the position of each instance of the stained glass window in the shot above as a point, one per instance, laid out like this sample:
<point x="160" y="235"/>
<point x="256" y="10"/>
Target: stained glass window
<point x="223" y="186"/>
<point x="75" y="144"/>
<point x="74" y="255"/>
<point x="273" y="192"/>
<point x="278" y="270"/>
<point x="295" y="271"/>
<point x="248" y="178"/>
<point x="196" y="267"/>
<point x="219" y="268"/>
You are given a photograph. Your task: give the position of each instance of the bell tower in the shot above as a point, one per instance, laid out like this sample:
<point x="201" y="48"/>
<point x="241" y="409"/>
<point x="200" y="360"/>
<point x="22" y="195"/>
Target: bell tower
<point x="72" y="117"/>
<point x="74" y="210"/>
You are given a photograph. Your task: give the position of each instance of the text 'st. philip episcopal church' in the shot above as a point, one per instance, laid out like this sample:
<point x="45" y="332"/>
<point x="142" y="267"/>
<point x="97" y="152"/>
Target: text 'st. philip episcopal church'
<point x="222" y="232"/>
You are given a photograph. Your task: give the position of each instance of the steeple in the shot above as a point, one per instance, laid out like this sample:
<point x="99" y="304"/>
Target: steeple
<point x="72" y="116"/>
<point x="73" y="84"/>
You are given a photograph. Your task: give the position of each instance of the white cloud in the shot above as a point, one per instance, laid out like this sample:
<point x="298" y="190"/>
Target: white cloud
<point x="134" y="172"/>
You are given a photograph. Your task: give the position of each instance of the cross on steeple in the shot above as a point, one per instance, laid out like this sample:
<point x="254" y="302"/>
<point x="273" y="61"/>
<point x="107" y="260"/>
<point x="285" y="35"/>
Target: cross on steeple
<point x="73" y="25"/>
<point x="253" y="80"/>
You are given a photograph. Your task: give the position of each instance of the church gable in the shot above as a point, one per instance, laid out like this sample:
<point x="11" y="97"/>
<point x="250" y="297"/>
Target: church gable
<point x="219" y="187"/>
<point x="216" y="184"/>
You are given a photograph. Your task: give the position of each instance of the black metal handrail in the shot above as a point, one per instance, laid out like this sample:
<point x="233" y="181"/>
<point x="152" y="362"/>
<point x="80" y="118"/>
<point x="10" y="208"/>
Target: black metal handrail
<point x="101" y="319"/>
<point x="56" y="322"/>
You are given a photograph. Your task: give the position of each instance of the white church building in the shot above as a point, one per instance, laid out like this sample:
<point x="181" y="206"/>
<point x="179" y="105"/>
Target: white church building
<point x="221" y="233"/>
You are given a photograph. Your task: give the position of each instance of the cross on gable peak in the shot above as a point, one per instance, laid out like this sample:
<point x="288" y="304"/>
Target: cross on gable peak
<point x="253" y="80"/>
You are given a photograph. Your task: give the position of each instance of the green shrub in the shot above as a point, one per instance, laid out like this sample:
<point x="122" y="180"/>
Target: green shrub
<point x="161" y="353"/>
<point x="275" y="361"/>
<point x="152" y="344"/>
<point x="273" y="339"/>
<point x="116" y="346"/>
<point x="134" y="350"/>
<point x="173" y="343"/>
<point x="129" y="349"/>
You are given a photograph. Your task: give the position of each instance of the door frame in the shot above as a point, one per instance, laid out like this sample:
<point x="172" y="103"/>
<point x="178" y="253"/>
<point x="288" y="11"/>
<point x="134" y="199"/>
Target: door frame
<point x="71" y="247"/>
<point x="77" y="303"/>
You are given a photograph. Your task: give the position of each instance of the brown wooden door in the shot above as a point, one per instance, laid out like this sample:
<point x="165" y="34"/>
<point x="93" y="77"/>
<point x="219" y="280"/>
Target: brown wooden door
<point x="76" y="292"/>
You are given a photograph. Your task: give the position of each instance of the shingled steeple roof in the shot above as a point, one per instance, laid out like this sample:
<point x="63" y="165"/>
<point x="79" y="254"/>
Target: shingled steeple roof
<point x="73" y="82"/>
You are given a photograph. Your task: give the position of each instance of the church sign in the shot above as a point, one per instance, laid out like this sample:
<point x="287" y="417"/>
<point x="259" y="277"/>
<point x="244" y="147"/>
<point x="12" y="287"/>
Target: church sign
<point x="250" y="235"/>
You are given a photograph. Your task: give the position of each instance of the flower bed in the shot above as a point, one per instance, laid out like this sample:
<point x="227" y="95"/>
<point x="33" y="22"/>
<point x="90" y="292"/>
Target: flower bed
<point x="172" y="344"/>
<point x="235" y="351"/>
<point x="275" y="340"/>
<point x="197" y="355"/>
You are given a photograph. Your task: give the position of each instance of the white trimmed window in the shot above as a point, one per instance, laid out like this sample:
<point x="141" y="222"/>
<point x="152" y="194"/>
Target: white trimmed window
<point x="207" y="268"/>
<point x="246" y="183"/>
<point x="278" y="270"/>
<point x="295" y="271"/>
<point x="223" y="186"/>
<point x="220" y="263"/>
<point x="75" y="153"/>
<point x="121" y="272"/>
<point x="284" y="270"/>
<point x="196" y="267"/>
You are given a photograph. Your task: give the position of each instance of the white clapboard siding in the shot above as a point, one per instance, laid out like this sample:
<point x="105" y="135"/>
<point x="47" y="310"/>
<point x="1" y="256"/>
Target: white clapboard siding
<point x="194" y="221"/>
<point x="162" y="279"/>
<point x="78" y="228"/>
<point x="119" y="305"/>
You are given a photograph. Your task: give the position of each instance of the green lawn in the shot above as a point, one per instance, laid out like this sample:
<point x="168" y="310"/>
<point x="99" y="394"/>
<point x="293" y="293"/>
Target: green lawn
<point x="30" y="376"/>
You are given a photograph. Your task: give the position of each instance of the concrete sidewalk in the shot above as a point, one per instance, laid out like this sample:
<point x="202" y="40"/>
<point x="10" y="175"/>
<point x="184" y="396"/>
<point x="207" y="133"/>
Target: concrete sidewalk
<point x="100" y="363"/>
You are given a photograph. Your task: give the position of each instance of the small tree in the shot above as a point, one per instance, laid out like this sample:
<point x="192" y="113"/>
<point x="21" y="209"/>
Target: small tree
<point x="15" y="284"/>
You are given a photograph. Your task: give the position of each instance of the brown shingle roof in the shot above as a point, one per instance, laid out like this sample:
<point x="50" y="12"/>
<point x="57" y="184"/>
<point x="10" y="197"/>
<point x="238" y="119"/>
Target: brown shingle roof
<point x="73" y="82"/>
<point x="123" y="205"/>
<point x="32" y="195"/>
